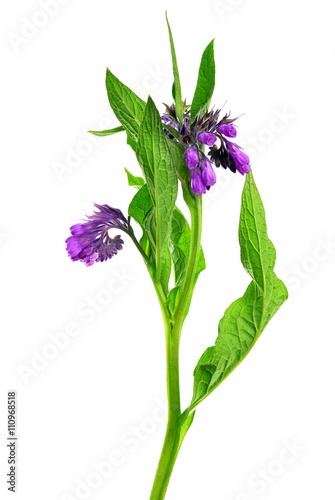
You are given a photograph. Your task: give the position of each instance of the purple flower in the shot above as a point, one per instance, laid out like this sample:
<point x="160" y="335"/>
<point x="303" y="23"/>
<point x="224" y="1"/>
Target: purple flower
<point x="197" y="184"/>
<point x="241" y="159"/>
<point x="90" y="242"/>
<point x="207" y="138"/>
<point x="206" y="128"/>
<point x="227" y="129"/>
<point x="191" y="158"/>
<point x="207" y="173"/>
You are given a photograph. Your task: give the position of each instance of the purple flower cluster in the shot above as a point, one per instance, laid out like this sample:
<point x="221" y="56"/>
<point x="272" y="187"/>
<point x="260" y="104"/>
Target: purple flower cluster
<point x="206" y="130"/>
<point x="90" y="242"/>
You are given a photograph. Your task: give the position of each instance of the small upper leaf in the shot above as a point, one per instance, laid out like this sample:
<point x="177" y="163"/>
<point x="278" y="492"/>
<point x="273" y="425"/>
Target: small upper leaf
<point x="176" y="88"/>
<point x="127" y="106"/>
<point x="103" y="133"/>
<point x="137" y="182"/>
<point x="246" y="318"/>
<point x="206" y="81"/>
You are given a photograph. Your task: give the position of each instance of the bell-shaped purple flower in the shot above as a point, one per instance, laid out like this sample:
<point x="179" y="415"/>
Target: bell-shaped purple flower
<point x="240" y="158"/>
<point x="227" y="129"/>
<point x="90" y="242"/>
<point x="197" y="183"/>
<point x="207" y="173"/>
<point x="207" y="138"/>
<point x="191" y="158"/>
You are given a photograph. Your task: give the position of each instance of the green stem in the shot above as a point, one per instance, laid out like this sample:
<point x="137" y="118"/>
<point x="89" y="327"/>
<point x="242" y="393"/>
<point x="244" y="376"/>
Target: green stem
<point x="138" y="246"/>
<point x="195" y="207"/>
<point x="173" y="328"/>
<point x="171" y="441"/>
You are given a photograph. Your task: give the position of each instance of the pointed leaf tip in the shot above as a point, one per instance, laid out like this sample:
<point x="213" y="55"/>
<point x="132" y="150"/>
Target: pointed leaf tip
<point x="206" y="81"/>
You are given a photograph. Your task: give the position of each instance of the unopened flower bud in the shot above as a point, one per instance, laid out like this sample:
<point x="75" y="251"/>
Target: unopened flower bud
<point x="197" y="184"/>
<point x="207" y="173"/>
<point x="227" y="129"/>
<point x="191" y="158"/>
<point x="207" y="138"/>
<point x="241" y="159"/>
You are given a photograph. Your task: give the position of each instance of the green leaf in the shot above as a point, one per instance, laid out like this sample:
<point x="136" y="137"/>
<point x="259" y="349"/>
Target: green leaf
<point x="185" y="427"/>
<point x="172" y="131"/>
<point x="140" y="205"/>
<point x="145" y="244"/>
<point x="246" y="318"/>
<point x="173" y="299"/>
<point x="174" y="91"/>
<point x="177" y="153"/>
<point x="166" y="266"/>
<point x="176" y="88"/>
<point x="131" y="142"/>
<point x="150" y="230"/>
<point x="103" y="133"/>
<point x="178" y="256"/>
<point x="157" y="164"/>
<point x="138" y="209"/>
<point x="127" y="106"/>
<point x="181" y="239"/>
<point x="137" y="182"/>
<point x="149" y="226"/>
<point x="206" y="81"/>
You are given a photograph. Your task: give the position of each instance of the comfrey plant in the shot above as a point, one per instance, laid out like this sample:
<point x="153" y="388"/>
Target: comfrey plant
<point x="181" y="148"/>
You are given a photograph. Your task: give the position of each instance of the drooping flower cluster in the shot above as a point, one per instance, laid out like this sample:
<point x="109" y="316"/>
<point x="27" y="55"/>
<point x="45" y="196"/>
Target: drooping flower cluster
<point x="90" y="242"/>
<point x="206" y="130"/>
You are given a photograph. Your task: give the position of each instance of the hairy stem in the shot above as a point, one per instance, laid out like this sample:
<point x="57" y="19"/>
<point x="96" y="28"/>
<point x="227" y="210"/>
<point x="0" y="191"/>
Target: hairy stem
<point x="173" y="328"/>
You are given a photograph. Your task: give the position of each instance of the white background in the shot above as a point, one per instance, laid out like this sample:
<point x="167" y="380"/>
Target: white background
<point x="275" y="65"/>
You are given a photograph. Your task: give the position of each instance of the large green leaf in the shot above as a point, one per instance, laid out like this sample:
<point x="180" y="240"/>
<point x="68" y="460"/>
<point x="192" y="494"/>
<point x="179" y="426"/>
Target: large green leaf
<point x="158" y="167"/>
<point x="246" y="318"/>
<point x="206" y="81"/>
<point x="176" y="88"/>
<point x="127" y="106"/>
